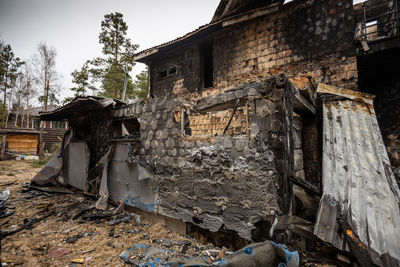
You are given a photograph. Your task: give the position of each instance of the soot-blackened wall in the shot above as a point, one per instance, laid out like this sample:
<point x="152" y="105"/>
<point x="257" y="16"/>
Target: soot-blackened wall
<point x="302" y="38"/>
<point x="233" y="180"/>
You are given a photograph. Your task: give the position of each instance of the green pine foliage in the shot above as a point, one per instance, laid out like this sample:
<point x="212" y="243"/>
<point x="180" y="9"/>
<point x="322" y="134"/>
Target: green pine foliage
<point x="105" y="75"/>
<point x="9" y="70"/>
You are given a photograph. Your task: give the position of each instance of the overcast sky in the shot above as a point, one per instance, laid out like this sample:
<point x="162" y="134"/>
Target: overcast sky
<point x="72" y="26"/>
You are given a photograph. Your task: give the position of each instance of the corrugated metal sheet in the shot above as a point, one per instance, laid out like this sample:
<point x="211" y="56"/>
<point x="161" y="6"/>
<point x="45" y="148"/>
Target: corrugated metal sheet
<point x="357" y="178"/>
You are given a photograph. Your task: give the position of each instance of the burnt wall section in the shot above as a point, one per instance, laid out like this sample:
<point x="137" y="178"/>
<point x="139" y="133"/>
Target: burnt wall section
<point x="229" y="181"/>
<point x="303" y="38"/>
<point x="281" y="43"/>
<point x="380" y="76"/>
<point x="186" y="61"/>
<point x="318" y="28"/>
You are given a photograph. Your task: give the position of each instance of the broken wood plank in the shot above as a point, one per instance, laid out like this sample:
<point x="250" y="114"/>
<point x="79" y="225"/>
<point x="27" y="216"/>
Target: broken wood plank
<point x="27" y="225"/>
<point x="233" y="114"/>
<point x="307" y="186"/>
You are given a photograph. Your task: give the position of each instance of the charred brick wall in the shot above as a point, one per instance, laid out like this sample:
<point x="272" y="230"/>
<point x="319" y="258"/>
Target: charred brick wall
<point x="186" y="59"/>
<point x="214" y="123"/>
<point x="303" y="38"/>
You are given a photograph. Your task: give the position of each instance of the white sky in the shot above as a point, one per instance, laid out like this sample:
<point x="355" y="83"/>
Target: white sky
<point x="72" y="26"/>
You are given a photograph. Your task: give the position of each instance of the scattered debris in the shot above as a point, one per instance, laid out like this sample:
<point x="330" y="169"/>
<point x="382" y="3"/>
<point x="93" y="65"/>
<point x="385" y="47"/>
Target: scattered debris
<point x="59" y="252"/>
<point x="119" y="209"/>
<point x="79" y="261"/>
<point x="4" y="195"/>
<point x="33" y="193"/>
<point x="52" y="189"/>
<point x="88" y="251"/>
<point x="27" y="225"/>
<point x="121" y="218"/>
<point x="73" y="239"/>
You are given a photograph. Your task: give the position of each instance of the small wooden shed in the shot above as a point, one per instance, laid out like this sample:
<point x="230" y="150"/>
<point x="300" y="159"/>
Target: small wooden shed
<point x="22" y="140"/>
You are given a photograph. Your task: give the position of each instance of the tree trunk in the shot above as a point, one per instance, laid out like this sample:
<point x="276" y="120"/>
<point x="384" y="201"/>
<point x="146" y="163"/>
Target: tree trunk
<point x="46" y="96"/>
<point x="4" y="104"/>
<point x="16" y="119"/>
<point x="4" y="108"/>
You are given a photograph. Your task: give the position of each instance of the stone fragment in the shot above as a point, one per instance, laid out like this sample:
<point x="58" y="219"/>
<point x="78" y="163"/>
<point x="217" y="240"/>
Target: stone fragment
<point x="254" y="130"/>
<point x="147" y="144"/>
<point x="150" y="135"/>
<point x="170" y="143"/>
<point x="228" y="143"/>
<point x="239" y="145"/>
<point x="159" y="134"/>
<point x="164" y="134"/>
<point x="170" y="123"/>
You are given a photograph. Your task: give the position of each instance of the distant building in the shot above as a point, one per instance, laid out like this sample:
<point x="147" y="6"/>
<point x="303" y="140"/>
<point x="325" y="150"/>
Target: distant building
<point x="23" y="131"/>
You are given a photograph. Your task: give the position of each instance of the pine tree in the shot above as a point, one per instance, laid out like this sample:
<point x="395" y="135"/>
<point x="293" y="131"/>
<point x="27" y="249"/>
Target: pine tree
<point x="118" y="52"/>
<point x="140" y="86"/>
<point x="9" y="68"/>
<point x="81" y="79"/>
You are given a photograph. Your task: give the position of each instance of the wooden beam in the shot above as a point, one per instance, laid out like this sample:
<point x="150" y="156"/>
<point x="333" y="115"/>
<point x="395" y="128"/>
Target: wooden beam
<point x="233" y="113"/>
<point x="307" y="186"/>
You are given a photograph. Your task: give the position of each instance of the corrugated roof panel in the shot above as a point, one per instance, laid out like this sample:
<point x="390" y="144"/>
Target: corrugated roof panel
<point x="357" y="178"/>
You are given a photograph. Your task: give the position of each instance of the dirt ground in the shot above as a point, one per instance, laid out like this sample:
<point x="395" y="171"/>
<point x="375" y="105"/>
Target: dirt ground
<point x="96" y="242"/>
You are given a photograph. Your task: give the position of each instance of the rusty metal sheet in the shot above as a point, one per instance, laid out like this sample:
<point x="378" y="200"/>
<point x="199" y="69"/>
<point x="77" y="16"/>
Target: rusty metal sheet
<point x="358" y="183"/>
<point x="130" y="182"/>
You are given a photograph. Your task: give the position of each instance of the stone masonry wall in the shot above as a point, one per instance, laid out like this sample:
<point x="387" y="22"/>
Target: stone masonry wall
<point x="216" y="181"/>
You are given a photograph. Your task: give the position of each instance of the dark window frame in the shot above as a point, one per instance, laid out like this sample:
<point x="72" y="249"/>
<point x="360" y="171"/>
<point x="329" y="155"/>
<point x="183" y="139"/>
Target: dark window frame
<point x="167" y="73"/>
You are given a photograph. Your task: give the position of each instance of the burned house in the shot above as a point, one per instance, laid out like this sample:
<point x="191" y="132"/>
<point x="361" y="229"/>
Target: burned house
<point x="251" y="118"/>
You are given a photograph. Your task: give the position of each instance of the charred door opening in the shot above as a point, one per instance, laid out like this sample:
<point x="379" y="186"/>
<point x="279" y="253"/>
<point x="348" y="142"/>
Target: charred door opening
<point x="126" y="128"/>
<point x="379" y="74"/>
<point x="207" y="70"/>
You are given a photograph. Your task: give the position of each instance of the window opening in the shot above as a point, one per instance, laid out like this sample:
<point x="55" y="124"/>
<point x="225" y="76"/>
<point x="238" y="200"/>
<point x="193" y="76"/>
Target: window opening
<point x="168" y="72"/>
<point x="207" y="66"/>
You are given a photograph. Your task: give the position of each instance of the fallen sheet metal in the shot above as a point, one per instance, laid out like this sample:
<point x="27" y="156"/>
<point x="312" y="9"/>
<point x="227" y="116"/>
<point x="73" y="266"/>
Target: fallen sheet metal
<point x="358" y="183"/>
<point x="76" y="164"/>
<point x="53" y="189"/>
<point x="50" y="171"/>
<point x="129" y="182"/>
<point x="101" y="203"/>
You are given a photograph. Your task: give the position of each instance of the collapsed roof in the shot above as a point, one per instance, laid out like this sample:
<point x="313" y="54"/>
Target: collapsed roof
<point x="79" y="106"/>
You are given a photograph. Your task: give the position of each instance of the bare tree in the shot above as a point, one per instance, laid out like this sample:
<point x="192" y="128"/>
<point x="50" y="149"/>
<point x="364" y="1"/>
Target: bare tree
<point x="46" y="76"/>
<point x="22" y="94"/>
<point x="29" y="91"/>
